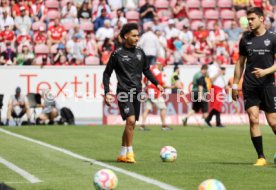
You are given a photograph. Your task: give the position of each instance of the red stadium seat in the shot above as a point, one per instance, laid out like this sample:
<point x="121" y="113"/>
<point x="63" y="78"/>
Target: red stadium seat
<point x="113" y="14"/>
<point x="37" y="25"/>
<point x="64" y="2"/>
<point x="95" y="3"/>
<point x="211" y="14"/>
<point x="52" y="4"/>
<point x="225" y="4"/>
<point x="20" y="47"/>
<point x="162" y="4"/>
<point x="195" y="14"/>
<point x="54" y="48"/>
<point x="194" y="24"/>
<point x="227" y="24"/>
<point x="180" y="25"/>
<point x="132" y="16"/>
<point x="147" y="24"/>
<point x="91" y="60"/>
<point x="38" y="60"/>
<point x="142" y="2"/>
<point x="68" y="25"/>
<point x="164" y="15"/>
<point x="53" y="14"/>
<point x="210" y="24"/>
<point x="41" y="49"/>
<point x="208" y="3"/>
<point x="193" y="4"/>
<point x="52" y="23"/>
<point x="240" y="13"/>
<point x="227" y="14"/>
<point x="172" y="3"/>
<point x="3" y="48"/>
<point x="86" y="26"/>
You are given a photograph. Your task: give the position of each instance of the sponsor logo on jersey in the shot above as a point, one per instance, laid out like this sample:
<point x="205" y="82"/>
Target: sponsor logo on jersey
<point x="126" y="110"/>
<point x="249" y="43"/>
<point x="250" y="52"/>
<point x="139" y="56"/>
<point x="267" y="42"/>
<point x="125" y="58"/>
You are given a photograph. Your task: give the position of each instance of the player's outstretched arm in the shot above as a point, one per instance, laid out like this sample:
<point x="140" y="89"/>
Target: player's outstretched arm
<point x="239" y="67"/>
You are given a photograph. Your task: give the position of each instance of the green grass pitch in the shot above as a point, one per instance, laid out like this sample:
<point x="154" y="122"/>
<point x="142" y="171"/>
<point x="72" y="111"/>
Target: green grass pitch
<point x="225" y="154"/>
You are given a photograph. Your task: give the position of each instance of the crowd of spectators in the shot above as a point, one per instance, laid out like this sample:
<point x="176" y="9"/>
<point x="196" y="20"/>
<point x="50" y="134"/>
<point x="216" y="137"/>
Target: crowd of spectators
<point x="85" y="32"/>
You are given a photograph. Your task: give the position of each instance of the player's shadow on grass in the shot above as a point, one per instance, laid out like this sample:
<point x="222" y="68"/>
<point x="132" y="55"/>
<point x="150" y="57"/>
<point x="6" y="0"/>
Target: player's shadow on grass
<point x="233" y="163"/>
<point x="3" y="186"/>
<point x="102" y="160"/>
<point x="108" y="160"/>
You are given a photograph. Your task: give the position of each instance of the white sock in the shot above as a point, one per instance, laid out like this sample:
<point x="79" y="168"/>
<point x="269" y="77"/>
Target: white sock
<point x="129" y="149"/>
<point x="123" y="151"/>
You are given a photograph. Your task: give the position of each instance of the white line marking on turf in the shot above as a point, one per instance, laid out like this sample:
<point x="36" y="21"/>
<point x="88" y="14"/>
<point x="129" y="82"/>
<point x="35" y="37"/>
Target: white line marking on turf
<point x="16" y="182"/>
<point x="114" y="168"/>
<point x="20" y="171"/>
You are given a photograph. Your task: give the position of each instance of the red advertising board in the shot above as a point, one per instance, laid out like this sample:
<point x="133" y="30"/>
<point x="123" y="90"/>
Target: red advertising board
<point x="232" y="113"/>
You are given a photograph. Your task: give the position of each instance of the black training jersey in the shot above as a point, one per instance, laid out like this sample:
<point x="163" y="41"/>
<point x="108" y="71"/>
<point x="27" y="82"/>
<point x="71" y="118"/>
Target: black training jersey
<point x="259" y="52"/>
<point x="129" y="64"/>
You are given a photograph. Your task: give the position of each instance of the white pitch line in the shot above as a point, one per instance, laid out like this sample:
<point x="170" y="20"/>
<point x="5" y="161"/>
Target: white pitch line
<point x="114" y="168"/>
<point x="16" y="182"/>
<point x="23" y="173"/>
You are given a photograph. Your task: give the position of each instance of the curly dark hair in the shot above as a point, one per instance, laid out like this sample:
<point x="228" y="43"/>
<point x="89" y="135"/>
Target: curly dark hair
<point x="127" y="28"/>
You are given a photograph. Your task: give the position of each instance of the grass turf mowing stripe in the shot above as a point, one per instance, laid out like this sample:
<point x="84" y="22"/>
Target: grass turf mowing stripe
<point x="23" y="173"/>
<point x="80" y="157"/>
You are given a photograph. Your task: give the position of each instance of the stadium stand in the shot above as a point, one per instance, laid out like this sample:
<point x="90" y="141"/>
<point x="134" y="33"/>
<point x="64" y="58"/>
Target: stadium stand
<point x="52" y="5"/>
<point x="224" y="4"/>
<point x="193" y="4"/>
<point x="90" y="60"/>
<point x="43" y="15"/>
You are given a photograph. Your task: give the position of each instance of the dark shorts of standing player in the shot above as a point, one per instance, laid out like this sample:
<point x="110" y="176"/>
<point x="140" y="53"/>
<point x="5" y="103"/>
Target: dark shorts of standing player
<point x="129" y="105"/>
<point x="200" y="106"/>
<point x="263" y="97"/>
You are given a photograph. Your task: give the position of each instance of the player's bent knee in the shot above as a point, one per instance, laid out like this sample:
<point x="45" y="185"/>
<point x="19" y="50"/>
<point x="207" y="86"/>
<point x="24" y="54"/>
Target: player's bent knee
<point x="254" y="119"/>
<point x="130" y="121"/>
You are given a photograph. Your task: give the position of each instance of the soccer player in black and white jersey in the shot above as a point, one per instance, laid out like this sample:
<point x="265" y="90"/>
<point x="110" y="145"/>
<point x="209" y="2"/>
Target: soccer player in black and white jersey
<point x="258" y="50"/>
<point x="128" y="62"/>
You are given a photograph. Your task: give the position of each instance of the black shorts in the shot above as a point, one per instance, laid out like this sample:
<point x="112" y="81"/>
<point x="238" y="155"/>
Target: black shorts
<point x="203" y="106"/>
<point x="264" y="97"/>
<point x="129" y="106"/>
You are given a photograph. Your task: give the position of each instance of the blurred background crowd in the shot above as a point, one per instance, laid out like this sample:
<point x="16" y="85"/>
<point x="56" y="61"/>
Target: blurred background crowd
<point x="85" y="32"/>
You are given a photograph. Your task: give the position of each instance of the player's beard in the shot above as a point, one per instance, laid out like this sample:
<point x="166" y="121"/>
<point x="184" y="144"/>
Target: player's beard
<point x="131" y="43"/>
<point x="255" y="27"/>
